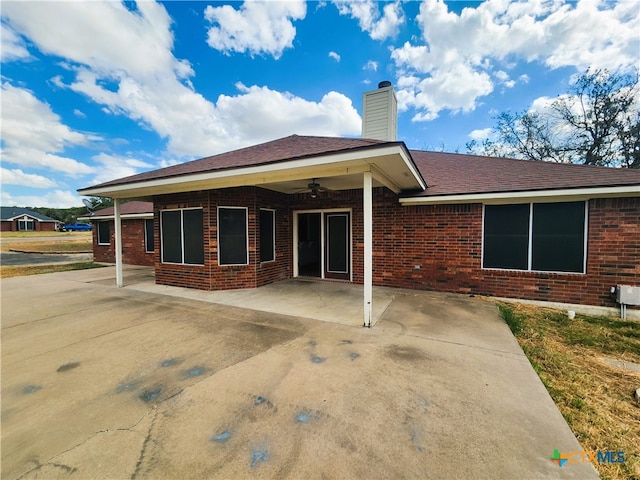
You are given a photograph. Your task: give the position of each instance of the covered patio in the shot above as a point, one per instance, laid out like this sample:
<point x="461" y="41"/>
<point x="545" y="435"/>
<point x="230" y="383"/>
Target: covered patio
<point x="329" y="301"/>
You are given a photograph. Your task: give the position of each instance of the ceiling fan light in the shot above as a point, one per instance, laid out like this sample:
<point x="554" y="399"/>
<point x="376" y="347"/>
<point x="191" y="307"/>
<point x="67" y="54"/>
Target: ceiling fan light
<point x="313" y="194"/>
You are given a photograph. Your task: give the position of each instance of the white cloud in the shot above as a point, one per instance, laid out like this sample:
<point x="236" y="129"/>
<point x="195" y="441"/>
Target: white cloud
<point x="371" y="65"/>
<point x="32" y="134"/>
<point x="335" y="56"/>
<point x="256" y="27"/>
<point x="12" y="47"/>
<point x="481" y="134"/>
<point x="131" y="71"/>
<point x="52" y="199"/>
<point x="369" y="19"/>
<point x="18" y="177"/>
<point x="79" y="113"/>
<point x="466" y="47"/>
<point x="110" y="167"/>
<point x="263" y="114"/>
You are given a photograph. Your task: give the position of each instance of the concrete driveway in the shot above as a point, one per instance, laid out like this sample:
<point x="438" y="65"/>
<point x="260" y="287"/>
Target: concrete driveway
<point x="99" y="382"/>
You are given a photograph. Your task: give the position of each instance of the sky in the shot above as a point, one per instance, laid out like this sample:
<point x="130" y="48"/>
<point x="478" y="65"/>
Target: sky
<point x="93" y="91"/>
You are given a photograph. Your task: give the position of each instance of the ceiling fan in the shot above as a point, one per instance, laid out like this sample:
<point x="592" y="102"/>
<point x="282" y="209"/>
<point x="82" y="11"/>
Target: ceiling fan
<point x="314" y="188"/>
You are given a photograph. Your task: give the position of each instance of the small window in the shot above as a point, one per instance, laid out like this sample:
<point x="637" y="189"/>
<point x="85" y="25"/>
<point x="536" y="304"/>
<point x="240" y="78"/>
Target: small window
<point x="182" y="236"/>
<point x="232" y="236"/>
<point x="267" y="235"/>
<point x="148" y="236"/>
<point x="104" y="233"/>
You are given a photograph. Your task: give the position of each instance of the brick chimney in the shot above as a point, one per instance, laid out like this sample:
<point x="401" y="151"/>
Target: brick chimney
<point x="380" y="113"/>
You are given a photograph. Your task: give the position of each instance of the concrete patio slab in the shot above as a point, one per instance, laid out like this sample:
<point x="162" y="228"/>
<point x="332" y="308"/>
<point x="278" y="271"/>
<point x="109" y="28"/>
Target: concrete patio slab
<point x="100" y="382"/>
<point x="329" y="301"/>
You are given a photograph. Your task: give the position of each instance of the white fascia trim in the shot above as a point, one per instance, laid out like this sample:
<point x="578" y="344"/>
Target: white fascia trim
<point x="22" y="215"/>
<point x="123" y="217"/>
<point x="364" y="156"/>
<point x="412" y="168"/>
<point x="550" y="195"/>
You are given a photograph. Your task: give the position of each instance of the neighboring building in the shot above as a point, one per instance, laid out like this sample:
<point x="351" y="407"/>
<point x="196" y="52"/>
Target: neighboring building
<point x="371" y="211"/>
<point x="17" y="219"/>
<point x="137" y="234"/>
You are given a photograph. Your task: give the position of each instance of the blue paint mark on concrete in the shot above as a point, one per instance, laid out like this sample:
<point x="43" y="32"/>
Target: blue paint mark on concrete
<point x="259" y="456"/>
<point x="316" y="359"/>
<point x="31" y="389"/>
<point x="150" y="395"/>
<point x="259" y="400"/>
<point x="303" y="417"/>
<point x="170" y="362"/>
<point x="195" y="371"/>
<point x="354" y="355"/>
<point x="221" y="437"/>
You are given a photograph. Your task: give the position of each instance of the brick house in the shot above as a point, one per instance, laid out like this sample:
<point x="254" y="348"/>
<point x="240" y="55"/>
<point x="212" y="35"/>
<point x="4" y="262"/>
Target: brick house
<point x="370" y="211"/>
<point x="137" y="234"/>
<point x="17" y="219"/>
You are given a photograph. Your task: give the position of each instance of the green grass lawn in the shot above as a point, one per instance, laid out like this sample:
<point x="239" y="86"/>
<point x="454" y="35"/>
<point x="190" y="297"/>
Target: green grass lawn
<point x="18" y="271"/>
<point x="595" y="398"/>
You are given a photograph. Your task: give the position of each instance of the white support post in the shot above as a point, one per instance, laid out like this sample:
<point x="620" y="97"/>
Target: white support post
<point x="367" y="204"/>
<point x="118" y="242"/>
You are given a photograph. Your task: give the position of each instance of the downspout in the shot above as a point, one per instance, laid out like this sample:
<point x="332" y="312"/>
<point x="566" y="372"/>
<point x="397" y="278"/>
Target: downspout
<point x="118" y="242"/>
<point x="367" y="204"/>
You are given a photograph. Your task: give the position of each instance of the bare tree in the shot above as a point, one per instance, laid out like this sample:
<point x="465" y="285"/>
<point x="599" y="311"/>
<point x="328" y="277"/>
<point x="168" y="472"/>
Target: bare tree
<point x="597" y="123"/>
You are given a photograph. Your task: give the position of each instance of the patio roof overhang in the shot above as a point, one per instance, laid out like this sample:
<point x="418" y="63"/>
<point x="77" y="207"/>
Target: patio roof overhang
<point x="390" y="165"/>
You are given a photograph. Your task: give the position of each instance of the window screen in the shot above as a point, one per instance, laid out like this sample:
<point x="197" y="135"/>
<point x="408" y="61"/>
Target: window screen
<point x="558" y="237"/>
<point x="193" y="237"/>
<point x="171" y="229"/>
<point x="232" y="236"/>
<point x="267" y="235"/>
<point x="506" y="236"/>
<point x="104" y="233"/>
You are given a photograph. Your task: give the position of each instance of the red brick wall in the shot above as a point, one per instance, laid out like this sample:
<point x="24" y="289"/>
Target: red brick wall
<point x="12" y="226"/>
<point x="133" y="247"/>
<point x="212" y="276"/>
<point x="443" y="241"/>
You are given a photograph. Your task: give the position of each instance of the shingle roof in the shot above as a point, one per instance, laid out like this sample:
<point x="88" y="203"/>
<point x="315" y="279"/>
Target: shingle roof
<point x="284" y="149"/>
<point x="8" y="213"/>
<point x="128" y="208"/>
<point x="444" y="173"/>
<point x="454" y="174"/>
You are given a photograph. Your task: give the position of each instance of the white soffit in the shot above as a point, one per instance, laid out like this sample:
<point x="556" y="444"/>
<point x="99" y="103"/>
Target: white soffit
<point x="569" y="194"/>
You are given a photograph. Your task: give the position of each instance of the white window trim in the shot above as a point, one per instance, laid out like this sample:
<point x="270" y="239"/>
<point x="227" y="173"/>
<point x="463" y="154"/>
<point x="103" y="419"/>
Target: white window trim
<point x="98" y="233"/>
<point x="146" y="246"/>
<point x="273" y="214"/>
<point x="530" y="242"/>
<point x="322" y="212"/>
<point x="25" y="221"/>
<point x="246" y="226"/>
<point x="181" y="210"/>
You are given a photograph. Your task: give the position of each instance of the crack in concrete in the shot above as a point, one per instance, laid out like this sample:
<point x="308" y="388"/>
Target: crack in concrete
<point x="67" y="468"/>
<point x="143" y="449"/>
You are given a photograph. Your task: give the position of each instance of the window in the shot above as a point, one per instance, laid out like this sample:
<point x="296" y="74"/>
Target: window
<point x="232" y="236"/>
<point x="548" y="237"/>
<point x="182" y="236"/>
<point x="26" y="224"/>
<point x="148" y="236"/>
<point x="104" y="233"/>
<point x="267" y="235"/>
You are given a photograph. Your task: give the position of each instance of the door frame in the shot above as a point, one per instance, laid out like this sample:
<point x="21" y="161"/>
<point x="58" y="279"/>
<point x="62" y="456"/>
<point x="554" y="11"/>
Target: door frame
<point x="323" y="246"/>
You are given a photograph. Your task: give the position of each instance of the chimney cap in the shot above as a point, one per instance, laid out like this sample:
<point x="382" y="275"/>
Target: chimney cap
<point x="384" y="83"/>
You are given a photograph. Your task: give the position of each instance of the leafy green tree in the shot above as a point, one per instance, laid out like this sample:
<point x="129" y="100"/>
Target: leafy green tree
<point x="596" y="123"/>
